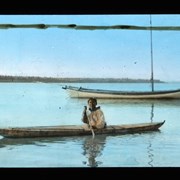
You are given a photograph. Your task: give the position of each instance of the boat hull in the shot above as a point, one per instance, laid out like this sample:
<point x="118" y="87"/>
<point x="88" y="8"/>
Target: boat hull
<point x="77" y="130"/>
<point x="75" y="92"/>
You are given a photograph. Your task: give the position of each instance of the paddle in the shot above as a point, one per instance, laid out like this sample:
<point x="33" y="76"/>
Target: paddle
<point x="93" y="134"/>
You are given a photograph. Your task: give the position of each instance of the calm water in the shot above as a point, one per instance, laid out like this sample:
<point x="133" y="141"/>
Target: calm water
<point x="34" y="104"/>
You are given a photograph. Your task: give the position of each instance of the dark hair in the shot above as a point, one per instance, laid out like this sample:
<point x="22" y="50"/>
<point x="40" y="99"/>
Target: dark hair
<point x="93" y="99"/>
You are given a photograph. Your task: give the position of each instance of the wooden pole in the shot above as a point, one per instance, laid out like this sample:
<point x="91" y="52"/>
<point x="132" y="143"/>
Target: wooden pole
<point x="93" y="134"/>
<point x="152" y="74"/>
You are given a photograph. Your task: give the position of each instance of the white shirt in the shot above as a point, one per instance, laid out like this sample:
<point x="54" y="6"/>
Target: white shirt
<point x="96" y="118"/>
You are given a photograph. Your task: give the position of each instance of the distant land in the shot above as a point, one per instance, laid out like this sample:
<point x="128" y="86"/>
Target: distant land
<point x="30" y="79"/>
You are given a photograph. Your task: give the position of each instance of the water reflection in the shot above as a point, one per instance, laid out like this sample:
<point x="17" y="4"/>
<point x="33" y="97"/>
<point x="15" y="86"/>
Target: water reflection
<point x="150" y="149"/>
<point x="152" y="112"/>
<point x="150" y="155"/>
<point x="92" y="149"/>
<point x="27" y="141"/>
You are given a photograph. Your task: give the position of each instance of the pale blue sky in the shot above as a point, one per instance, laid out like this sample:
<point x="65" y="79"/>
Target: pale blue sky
<point x="85" y="53"/>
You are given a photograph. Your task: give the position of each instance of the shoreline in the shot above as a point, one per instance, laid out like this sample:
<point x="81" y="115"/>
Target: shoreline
<point x="14" y="79"/>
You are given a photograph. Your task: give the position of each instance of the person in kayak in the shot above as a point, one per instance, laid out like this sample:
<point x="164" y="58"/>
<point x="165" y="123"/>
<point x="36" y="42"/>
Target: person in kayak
<point x="93" y="115"/>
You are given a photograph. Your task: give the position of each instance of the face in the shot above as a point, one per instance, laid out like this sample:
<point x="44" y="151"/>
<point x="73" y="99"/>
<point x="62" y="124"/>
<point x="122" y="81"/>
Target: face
<point x="91" y="103"/>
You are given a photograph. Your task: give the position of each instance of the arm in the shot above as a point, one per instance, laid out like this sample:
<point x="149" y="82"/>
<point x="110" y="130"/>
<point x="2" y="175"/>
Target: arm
<point x="100" y="116"/>
<point x="84" y="116"/>
<point x="100" y="119"/>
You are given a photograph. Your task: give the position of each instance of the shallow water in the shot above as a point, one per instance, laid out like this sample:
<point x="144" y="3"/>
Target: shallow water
<point x="34" y="104"/>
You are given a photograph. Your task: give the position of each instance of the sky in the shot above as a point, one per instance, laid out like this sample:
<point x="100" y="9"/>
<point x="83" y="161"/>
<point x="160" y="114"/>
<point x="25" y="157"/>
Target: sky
<point x="56" y="52"/>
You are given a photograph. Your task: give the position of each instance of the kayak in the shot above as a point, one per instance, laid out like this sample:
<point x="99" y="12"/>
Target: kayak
<point x="77" y="130"/>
